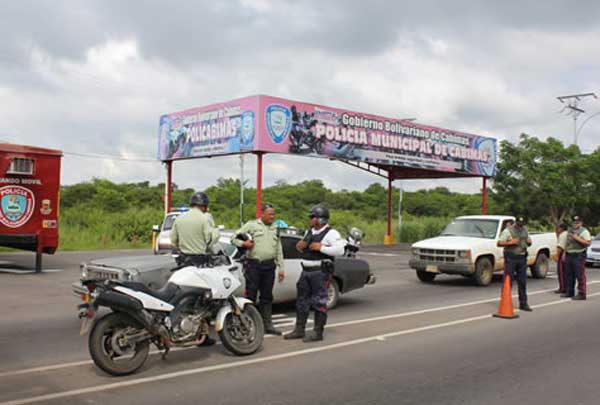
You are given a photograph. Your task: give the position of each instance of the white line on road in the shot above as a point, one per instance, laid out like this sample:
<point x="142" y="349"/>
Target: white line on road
<point x="28" y="271"/>
<point x="243" y="363"/>
<point x="424" y="311"/>
<point x="333" y="325"/>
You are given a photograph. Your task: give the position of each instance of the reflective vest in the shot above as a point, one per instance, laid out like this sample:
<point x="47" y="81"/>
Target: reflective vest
<point x="312" y="254"/>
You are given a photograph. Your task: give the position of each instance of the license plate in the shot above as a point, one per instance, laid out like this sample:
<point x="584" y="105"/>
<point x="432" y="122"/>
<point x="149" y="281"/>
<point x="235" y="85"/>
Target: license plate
<point x="432" y="269"/>
<point x="86" y="323"/>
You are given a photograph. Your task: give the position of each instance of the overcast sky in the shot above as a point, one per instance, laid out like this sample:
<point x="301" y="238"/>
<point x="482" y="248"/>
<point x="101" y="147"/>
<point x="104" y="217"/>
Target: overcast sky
<point x="95" y="76"/>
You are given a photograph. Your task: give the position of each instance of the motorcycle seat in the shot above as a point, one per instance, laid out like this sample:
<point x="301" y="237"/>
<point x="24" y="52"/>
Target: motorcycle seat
<point x="165" y="293"/>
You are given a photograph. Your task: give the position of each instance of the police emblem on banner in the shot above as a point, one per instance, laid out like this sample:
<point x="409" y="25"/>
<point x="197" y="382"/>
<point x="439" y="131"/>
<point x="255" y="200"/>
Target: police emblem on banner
<point x="279" y="122"/>
<point x="488" y="168"/>
<point x="247" y="129"/>
<point x="16" y="205"/>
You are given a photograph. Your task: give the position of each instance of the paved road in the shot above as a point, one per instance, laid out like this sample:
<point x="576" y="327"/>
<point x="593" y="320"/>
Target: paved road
<point x="398" y="341"/>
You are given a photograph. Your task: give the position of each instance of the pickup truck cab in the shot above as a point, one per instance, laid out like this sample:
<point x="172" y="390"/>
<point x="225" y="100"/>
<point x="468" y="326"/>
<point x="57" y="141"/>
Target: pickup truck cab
<point x="468" y="247"/>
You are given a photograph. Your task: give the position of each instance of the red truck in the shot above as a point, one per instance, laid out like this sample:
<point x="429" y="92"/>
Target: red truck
<point x="29" y="198"/>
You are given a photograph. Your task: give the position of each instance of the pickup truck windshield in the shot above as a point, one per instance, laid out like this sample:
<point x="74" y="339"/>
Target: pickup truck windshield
<point x="475" y="228"/>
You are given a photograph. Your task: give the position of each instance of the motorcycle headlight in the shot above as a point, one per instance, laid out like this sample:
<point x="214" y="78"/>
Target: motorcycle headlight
<point x="208" y="294"/>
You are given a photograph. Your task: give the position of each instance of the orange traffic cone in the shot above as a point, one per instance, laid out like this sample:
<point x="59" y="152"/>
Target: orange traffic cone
<point x="506" y="310"/>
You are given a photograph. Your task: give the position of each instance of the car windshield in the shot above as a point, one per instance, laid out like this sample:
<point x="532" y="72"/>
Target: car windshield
<point x="168" y="224"/>
<point x="476" y="228"/>
<point x="597" y="237"/>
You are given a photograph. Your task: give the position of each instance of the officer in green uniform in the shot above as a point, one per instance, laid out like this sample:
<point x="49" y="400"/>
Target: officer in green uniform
<point x="193" y="232"/>
<point x="578" y="240"/>
<point x="263" y="257"/>
<point x="515" y="240"/>
<point x="193" y="235"/>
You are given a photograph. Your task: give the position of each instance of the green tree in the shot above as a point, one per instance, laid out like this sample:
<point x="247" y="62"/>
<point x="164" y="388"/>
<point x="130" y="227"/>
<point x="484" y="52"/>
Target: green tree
<point x="543" y="180"/>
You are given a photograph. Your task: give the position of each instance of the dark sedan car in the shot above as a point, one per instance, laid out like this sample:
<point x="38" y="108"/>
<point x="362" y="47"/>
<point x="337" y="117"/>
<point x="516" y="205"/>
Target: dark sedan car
<point x="349" y="273"/>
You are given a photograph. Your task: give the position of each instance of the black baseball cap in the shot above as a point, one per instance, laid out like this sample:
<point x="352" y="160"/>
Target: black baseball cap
<point x="577" y="218"/>
<point x="521" y="220"/>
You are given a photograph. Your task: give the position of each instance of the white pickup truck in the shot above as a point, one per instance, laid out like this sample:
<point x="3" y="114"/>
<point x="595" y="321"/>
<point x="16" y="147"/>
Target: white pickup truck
<point x="468" y="247"/>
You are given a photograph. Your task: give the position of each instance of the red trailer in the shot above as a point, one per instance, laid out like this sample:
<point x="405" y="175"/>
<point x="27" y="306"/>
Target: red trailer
<point x="29" y="198"/>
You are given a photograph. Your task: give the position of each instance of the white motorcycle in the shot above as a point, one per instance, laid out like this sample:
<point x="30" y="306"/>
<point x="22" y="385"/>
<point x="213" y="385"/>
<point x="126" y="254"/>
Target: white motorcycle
<point x="354" y="236"/>
<point x="178" y="315"/>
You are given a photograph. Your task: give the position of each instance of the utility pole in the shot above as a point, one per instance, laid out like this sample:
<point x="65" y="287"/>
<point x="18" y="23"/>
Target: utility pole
<point x="571" y="107"/>
<point x="242" y="190"/>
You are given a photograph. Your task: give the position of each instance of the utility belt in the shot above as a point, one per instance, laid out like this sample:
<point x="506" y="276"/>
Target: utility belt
<point x="325" y="266"/>
<point x="192" y="260"/>
<point x="514" y="256"/>
<point x="263" y="264"/>
<point x="576" y="253"/>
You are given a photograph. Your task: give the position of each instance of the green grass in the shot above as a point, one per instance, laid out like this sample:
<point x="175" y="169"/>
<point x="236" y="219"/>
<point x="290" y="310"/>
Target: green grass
<point x="91" y="229"/>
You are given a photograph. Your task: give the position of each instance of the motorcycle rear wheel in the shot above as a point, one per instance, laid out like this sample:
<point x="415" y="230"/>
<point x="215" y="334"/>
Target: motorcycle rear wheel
<point x="104" y="346"/>
<point x="238" y="339"/>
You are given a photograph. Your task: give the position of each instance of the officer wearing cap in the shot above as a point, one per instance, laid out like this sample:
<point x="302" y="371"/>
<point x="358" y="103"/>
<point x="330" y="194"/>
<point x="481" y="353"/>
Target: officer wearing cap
<point x="193" y="232"/>
<point x="320" y="245"/>
<point x="263" y="256"/>
<point x="193" y="235"/>
<point x="515" y="240"/>
<point x="561" y="247"/>
<point x="578" y="239"/>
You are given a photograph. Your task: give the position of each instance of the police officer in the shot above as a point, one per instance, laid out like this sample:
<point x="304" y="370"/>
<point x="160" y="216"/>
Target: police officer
<point x="319" y="247"/>
<point x="561" y="247"/>
<point x="193" y="232"/>
<point x="264" y="255"/>
<point x="578" y="239"/>
<point x="515" y="240"/>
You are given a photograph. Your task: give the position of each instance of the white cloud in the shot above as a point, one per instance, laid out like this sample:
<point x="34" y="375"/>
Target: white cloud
<point x="103" y="92"/>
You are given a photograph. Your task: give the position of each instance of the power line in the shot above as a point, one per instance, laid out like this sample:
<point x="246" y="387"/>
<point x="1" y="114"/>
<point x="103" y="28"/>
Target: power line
<point x="109" y="157"/>
<point x="571" y="103"/>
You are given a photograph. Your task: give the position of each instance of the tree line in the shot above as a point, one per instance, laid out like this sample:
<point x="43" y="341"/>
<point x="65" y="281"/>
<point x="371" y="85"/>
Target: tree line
<point x="544" y="180"/>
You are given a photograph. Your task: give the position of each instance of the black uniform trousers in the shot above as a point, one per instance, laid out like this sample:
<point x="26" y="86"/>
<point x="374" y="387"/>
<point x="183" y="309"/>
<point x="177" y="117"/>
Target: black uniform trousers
<point x="560" y="267"/>
<point x="312" y="290"/>
<point x="260" y="278"/>
<point x="515" y="266"/>
<point x="575" y="270"/>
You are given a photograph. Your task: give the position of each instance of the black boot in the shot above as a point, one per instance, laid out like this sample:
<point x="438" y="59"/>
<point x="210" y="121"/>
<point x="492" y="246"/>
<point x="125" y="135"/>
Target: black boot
<point x="298" y="332"/>
<point x="208" y="341"/>
<point x="316" y="334"/>
<point x="266" y="310"/>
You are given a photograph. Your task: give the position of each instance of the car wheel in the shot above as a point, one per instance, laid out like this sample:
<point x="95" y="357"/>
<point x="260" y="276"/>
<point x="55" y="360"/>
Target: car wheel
<point x="484" y="272"/>
<point x="425" y="276"/>
<point x="540" y="267"/>
<point x="333" y="294"/>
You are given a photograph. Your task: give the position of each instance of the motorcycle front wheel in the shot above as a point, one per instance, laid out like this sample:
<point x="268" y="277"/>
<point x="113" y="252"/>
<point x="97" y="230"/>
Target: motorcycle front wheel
<point x="243" y="338"/>
<point x="108" y="347"/>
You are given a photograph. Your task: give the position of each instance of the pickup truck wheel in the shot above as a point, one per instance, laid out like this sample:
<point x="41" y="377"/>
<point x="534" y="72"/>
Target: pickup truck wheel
<point x="425" y="276"/>
<point x="484" y="272"/>
<point x="333" y="294"/>
<point x="540" y="267"/>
